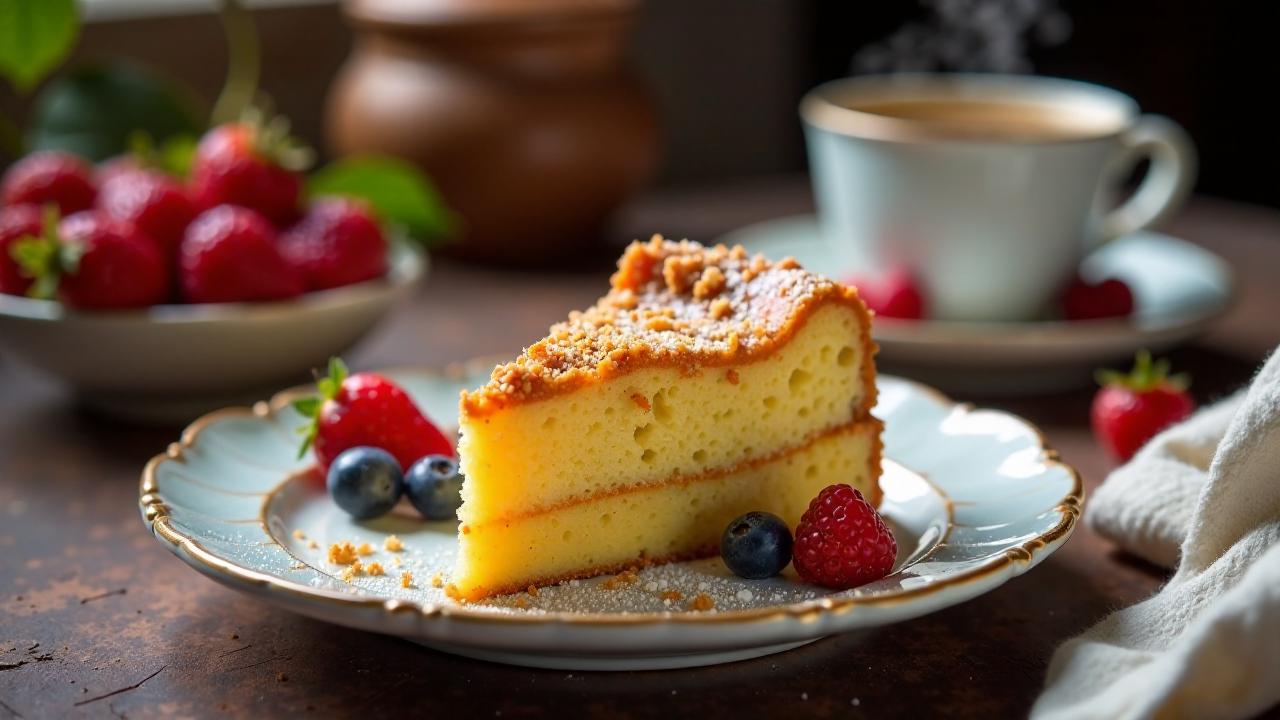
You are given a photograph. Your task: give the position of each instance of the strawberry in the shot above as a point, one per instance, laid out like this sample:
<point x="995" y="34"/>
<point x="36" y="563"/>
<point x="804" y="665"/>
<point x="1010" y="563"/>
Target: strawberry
<point x="156" y="203"/>
<point x="894" y="294"/>
<point x="16" y="223"/>
<point x="1091" y="301"/>
<point x="366" y="409"/>
<point x="229" y="254"/>
<point x="94" y="262"/>
<point x="337" y="242"/>
<point x="1131" y="409"/>
<point x="50" y="177"/>
<point x="252" y="165"/>
<point x="841" y="541"/>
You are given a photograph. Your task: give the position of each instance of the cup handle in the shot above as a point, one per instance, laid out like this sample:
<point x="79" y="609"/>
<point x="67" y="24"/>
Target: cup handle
<point x="1167" y="182"/>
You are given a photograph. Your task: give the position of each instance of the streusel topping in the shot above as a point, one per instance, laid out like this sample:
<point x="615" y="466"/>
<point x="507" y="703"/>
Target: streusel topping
<point x="670" y="303"/>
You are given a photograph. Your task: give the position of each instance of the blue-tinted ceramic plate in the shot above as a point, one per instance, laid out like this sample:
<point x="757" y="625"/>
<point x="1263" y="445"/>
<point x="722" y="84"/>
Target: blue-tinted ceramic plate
<point x="975" y="498"/>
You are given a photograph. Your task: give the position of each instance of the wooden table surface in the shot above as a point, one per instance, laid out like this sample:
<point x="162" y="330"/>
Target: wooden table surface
<point x="97" y="619"/>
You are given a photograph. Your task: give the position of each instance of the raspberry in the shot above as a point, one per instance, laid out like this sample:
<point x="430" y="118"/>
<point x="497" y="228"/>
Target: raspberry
<point x="842" y="542"/>
<point x="893" y="294"/>
<point x="1089" y="301"/>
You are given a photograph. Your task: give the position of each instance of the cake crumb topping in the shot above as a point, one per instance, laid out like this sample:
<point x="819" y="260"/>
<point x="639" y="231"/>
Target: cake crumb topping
<point x="671" y="595"/>
<point x="392" y="544"/>
<point x="299" y="535"/>
<point x="375" y="568"/>
<point x="312" y="544"/>
<point x="703" y="601"/>
<point x="364" y="549"/>
<point x="437" y="580"/>
<point x="668" y="302"/>
<point x="406" y="580"/>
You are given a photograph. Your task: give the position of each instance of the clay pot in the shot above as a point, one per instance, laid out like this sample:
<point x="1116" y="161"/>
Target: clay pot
<point x="523" y="113"/>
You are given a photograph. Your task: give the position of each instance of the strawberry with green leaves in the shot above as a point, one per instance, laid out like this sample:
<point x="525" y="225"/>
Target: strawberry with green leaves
<point x="17" y="223"/>
<point x="94" y="262"/>
<point x="366" y="409"/>
<point x="1131" y="409"/>
<point x="252" y="164"/>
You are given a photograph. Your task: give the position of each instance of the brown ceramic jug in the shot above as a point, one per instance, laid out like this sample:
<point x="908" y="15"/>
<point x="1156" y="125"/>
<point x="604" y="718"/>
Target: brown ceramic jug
<point x="523" y="113"/>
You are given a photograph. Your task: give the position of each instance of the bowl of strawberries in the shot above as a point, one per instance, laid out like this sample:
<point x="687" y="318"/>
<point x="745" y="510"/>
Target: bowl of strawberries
<point x="157" y="295"/>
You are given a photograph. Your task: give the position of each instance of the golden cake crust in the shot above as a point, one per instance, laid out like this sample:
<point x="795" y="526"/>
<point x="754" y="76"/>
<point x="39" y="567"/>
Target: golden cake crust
<point x="675" y="304"/>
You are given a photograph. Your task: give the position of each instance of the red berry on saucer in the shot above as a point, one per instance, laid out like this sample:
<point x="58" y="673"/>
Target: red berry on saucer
<point x="1131" y="409"/>
<point x="16" y="223"/>
<point x="1093" y="301"/>
<point x="252" y="165"/>
<point x="229" y="254"/>
<point x="842" y="542"/>
<point x="894" y="294"/>
<point x="337" y="242"/>
<point x="367" y="409"/>
<point x="50" y="177"/>
<point x="153" y="201"/>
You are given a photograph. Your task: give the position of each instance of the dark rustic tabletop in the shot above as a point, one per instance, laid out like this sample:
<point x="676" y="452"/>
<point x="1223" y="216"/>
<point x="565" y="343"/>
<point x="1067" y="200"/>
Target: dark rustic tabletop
<point x="97" y="619"/>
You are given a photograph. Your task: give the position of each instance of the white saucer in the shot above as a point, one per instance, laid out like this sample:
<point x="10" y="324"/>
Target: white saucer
<point x="1179" y="288"/>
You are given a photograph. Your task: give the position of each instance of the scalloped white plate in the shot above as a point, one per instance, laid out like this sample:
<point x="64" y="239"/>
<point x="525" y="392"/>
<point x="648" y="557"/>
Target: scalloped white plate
<point x="232" y="501"/>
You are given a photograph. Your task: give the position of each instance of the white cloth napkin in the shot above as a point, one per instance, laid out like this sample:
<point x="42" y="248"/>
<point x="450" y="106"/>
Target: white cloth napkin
<point x="1203" y="496"/>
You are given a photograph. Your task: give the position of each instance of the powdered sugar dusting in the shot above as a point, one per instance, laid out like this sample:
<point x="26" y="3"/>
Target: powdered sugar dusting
<point x="664" y="588"/>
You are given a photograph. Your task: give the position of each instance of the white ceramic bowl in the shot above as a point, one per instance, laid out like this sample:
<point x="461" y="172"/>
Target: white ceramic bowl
<point x="173" y="362"/>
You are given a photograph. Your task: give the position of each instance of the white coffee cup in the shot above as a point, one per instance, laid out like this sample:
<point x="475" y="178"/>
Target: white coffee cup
<point x="989" y="188"/>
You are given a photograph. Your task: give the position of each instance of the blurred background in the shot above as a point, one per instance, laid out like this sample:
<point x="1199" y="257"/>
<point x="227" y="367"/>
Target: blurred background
<point x="725" y="75"/>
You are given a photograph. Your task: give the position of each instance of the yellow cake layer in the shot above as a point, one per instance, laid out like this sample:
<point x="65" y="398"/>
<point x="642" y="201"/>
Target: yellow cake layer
<point x="678" y="519"/>
<point x="659" y="422"/>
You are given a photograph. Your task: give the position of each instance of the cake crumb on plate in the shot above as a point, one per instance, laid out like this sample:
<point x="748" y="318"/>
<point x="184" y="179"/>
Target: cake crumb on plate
<point x="343" y="553"/>
<point x="703" y="602"/>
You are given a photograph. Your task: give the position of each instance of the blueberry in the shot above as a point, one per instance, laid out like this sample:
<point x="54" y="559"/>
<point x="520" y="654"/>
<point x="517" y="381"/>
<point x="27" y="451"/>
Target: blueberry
<point x="434" y="486"/>
<point x="756" y="545"/>
<point x="365" y="481"/>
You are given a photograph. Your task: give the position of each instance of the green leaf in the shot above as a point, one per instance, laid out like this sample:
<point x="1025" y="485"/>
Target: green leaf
<point x="95" y="111"/>
<point x="35" y="36"/>
<point x="173" y="156"/>
<point x="396" y="190"/>
<point x="310" y="432"/>
<point x="338" y="371"/>
<point x="310" y="406"/>
<point x="1147" y="374"/>
<point x="307" y="406"/>
<point x="41" y="258"/>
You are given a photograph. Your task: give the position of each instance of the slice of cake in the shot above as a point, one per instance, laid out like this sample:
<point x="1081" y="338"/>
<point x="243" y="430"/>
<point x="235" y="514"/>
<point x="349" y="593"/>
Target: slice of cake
<point x="705" y="384"/>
